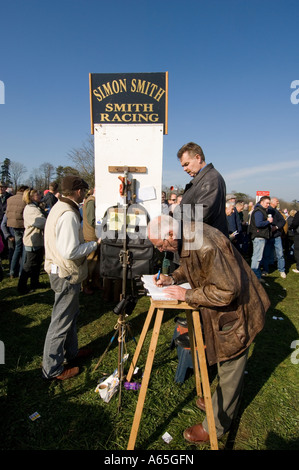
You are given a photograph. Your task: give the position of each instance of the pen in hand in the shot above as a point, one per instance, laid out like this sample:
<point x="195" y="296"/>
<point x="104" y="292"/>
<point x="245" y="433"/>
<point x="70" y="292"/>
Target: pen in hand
<point x="158" y="275"/>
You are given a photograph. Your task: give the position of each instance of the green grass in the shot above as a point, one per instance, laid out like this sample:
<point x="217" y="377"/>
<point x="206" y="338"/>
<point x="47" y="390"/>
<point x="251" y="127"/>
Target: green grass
<point x="74" y="417"/>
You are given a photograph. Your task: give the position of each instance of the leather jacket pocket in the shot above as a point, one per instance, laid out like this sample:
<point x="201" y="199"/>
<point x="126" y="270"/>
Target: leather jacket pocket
<point x="231" y="334"/>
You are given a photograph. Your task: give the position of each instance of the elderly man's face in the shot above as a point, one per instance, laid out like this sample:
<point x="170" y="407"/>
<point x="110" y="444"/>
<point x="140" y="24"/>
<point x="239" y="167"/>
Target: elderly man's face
<point x="169" y="243"/>
<point x="274" y="202"/>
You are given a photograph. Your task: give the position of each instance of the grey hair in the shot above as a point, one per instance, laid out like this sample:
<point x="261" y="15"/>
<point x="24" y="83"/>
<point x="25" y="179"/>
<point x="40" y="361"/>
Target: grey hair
<point x="159" y="227"/>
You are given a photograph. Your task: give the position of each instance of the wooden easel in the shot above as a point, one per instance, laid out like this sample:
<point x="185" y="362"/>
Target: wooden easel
<point x="198" y="358"/>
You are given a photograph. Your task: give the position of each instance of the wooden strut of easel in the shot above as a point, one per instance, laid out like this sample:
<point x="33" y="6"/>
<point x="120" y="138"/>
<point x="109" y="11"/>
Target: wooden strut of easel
<point x="198" y="358"/>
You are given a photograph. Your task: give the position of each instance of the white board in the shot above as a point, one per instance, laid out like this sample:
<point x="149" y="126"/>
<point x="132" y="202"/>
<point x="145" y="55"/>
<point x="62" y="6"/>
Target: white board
<point x="128" y="145"/>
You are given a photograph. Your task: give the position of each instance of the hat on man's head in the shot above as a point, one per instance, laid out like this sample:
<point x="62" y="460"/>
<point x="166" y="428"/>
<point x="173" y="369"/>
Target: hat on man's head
<point x="72" y="183"/>
<point x="230" y="196"/>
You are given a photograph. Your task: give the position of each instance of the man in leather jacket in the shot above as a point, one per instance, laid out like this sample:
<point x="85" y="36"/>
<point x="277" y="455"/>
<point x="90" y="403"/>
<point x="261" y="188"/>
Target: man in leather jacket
<point x="232" y="305"/>
<point x="207" y="187"/>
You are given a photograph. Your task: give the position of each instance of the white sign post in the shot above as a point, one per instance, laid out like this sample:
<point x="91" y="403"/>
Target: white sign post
<point x="128" y="146"/>
<point x="128" y="120"/>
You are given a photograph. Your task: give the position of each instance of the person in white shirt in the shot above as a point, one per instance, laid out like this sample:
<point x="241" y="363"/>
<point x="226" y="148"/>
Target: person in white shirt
<point x="66" y="263"/>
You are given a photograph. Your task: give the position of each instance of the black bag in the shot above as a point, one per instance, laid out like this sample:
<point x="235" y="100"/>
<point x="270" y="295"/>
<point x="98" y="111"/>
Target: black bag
<point x="140" y="249"/>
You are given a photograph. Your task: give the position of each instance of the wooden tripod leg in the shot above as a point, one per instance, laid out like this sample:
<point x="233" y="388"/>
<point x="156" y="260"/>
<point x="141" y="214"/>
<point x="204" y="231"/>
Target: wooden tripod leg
<point x="193" y="353"/>
<point x="145" y="379"/>
<point x="140" y="342"/>
<point x="205" y="380"/>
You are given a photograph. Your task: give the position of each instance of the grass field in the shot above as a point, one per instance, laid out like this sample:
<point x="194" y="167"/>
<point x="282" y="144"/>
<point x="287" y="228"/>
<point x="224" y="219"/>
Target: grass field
<point x="74" y="417"/>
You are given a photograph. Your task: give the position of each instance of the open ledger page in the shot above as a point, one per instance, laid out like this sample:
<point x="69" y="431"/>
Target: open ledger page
<point x="158" y="293"/>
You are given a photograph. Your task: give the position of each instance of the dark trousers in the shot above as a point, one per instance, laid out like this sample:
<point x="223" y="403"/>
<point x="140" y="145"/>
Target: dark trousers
<point x="31" y="269"/>
<point x="296" y="249"/>
<point x="226" y="398"/>
<point x="17" y="258"/>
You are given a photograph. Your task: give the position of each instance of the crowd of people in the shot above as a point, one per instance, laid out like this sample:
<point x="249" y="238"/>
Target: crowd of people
<point x="264" y="242"/>
<point x="240" y="242"/>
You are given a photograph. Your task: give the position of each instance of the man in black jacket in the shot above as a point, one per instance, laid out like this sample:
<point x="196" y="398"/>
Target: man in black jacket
<point x="50" y="197"/>
<point x="207" y="188"/>
<point x="260" y="226"/>
<point x="295" y="227"/>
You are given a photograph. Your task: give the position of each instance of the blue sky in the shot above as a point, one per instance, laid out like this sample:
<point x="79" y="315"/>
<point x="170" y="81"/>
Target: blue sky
<point x="230" y="63"/>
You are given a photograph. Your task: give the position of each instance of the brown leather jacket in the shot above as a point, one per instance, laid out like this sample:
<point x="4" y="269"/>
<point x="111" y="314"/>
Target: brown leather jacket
<point x="232" y="301"/>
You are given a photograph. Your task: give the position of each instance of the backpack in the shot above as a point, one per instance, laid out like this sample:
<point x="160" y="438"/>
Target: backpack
<point x="138" y="248"/>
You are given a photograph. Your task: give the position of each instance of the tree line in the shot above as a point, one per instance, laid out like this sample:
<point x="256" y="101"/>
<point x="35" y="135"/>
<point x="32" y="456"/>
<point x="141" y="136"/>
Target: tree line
<point x="82" y="158"/>
<point x="13" y="173"/>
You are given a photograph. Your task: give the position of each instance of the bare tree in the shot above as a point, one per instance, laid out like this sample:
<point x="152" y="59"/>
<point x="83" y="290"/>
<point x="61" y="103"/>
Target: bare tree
<point x="48" y="170"/>
<point x="36" y="180"/>
<point x="17" y="170"/>
<point x="83" y="160"/>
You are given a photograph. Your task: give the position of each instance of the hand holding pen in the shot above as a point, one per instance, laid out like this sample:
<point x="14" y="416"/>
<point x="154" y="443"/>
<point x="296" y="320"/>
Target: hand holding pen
<point x="162" y="280"/>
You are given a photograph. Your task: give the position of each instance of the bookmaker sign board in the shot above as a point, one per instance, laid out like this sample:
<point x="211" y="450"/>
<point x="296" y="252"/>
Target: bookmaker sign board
<point x="129" y="98"/>
<point x="259" y="194"/>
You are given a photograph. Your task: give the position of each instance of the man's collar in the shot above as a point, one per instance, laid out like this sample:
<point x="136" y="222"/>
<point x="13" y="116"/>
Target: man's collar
<point x="72" y="203"/>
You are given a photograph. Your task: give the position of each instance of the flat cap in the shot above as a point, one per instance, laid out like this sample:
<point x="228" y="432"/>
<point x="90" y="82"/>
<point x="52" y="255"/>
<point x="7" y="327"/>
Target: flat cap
<point x="230" y="196"/>
<point x="72" y="183"/>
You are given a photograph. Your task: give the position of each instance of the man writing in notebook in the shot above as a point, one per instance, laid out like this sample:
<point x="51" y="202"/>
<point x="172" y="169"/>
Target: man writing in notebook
<point x="232" y="304"/>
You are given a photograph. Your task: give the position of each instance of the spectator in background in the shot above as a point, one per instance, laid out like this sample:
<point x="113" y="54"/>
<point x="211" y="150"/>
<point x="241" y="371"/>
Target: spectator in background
<point x="4" y="195"/>
<point x="164" y="204"/>
<point x="294" y="225"/>
<point x="250" y="210"/>
<point x="172" y="198"/>
<point x="179" y="199"/>
<point x="8" y="238"/>
<point x="14" y="213"/>
<point x="49" y="198"/>
<point x="172" y="203"/>
<point x="260" y="230"/>
<point x="33" y="240"/>
<point x="245" y="213"/>
<point x="229" y="209"/>
<point x="239" y="208"/>
<point x="234" y="222"/>
<point x="89" y="222"/>
<point x="290" y="235"/>
<point x="274" y="243"/>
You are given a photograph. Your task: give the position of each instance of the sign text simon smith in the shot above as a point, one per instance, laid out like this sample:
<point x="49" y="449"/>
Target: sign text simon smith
<point x="129" y="98"/>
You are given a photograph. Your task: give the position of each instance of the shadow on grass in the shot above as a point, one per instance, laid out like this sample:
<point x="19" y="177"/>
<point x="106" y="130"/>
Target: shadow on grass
<point x="64" y="423"/>
<point x="271" y="347"/>
<point x="274" y="441"/>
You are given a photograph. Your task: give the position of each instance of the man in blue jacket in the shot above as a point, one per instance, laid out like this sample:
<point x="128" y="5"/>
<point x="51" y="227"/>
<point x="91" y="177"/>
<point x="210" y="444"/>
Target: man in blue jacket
<point x="260" y="230"/>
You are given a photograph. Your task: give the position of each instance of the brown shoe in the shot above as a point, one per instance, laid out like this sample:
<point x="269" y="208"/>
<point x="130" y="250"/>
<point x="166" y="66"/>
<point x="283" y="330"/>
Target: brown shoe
<point x="68" y="373"/>
<point x="196" y="434"/>
<point x="200" y="403"/>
